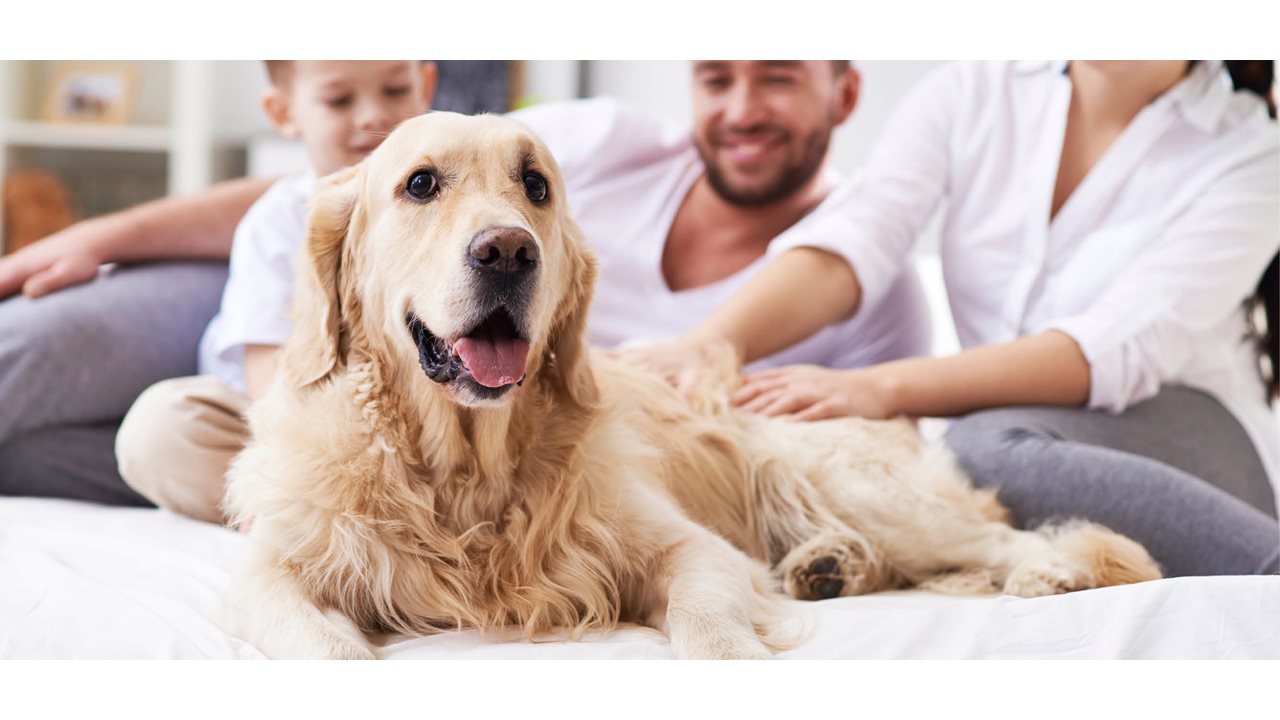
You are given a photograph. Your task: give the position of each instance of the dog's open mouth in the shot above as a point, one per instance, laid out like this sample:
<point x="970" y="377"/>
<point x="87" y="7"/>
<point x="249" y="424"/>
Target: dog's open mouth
<point x="493" y="353"/>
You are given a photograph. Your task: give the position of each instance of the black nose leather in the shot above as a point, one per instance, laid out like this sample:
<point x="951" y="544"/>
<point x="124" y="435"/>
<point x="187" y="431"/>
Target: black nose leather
<point x="503" y="251"/>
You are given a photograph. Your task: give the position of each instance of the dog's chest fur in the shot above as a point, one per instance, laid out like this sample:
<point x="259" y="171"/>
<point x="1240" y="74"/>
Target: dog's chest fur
<point x="417" y="548"/>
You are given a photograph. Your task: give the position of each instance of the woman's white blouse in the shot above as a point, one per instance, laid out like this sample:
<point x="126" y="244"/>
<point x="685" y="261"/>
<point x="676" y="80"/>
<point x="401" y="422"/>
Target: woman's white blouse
<point x="1147" y="263"/>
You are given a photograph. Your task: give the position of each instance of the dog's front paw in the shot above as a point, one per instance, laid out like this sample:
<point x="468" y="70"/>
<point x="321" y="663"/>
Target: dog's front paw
<point x="834" y="564"/>
<point x="347" y="650"/>
<point x="726" y="647"/>
<point x="317" y="644"/>
<point x="757" y="652"/>
<point x="312" y="635"/>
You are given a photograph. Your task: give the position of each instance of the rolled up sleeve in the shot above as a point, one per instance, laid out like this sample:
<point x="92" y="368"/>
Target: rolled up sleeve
<point x="1142" y="329"/>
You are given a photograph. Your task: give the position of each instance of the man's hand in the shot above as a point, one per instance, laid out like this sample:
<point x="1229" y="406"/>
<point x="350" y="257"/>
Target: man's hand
<point x="809" y="392"/>
<point x="63" y="259"/>
<point x="685" y="361"/>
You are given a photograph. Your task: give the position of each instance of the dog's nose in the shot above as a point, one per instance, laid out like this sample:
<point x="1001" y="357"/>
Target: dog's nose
<point x="505" y="250"/>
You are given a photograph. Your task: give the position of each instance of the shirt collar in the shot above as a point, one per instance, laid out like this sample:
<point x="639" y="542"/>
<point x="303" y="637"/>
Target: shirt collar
<point x="1027" y="67"/>
<point x="1203" y="95"/>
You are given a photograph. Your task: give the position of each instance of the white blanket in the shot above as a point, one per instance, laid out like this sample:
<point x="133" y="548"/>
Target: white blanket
<point x="80" y="581"/>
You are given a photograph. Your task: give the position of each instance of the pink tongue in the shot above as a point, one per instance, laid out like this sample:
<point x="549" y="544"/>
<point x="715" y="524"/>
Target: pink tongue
<point x="493" y="362"/>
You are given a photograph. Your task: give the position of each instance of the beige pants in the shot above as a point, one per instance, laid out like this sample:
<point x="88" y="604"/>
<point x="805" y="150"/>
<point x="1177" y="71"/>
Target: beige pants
<point x="177" y="442"/>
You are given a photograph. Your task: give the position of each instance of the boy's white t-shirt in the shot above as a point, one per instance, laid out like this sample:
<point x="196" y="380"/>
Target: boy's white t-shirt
<point x="626" y="174"/>
<point x="259" y="291"/>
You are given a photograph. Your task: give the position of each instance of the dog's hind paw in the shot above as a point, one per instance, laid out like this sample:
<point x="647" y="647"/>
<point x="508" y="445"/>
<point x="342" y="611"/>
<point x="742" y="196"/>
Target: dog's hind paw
<point x="1045" y="578"/>
<point x="834" y="564"/>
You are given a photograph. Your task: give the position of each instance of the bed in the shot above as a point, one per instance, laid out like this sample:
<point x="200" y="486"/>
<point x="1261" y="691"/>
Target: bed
<point x="82" y="581"/>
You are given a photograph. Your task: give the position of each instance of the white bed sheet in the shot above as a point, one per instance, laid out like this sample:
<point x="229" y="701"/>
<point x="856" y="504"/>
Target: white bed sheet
<point x="81" y="581"/>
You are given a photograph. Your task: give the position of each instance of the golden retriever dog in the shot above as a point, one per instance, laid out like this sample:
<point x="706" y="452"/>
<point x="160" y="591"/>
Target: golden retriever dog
<point x="440" y="449"/>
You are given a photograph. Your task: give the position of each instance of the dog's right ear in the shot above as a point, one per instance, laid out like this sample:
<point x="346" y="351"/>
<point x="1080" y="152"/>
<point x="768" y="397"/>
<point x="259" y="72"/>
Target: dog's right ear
<point x="314" y="348"/>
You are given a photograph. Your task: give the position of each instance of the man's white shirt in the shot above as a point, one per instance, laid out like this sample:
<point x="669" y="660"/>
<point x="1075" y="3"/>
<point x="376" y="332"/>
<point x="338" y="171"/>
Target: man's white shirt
<point x="626" y="174"/>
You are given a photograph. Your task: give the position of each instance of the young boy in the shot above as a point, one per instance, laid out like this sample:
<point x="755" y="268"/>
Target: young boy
<point x="180" y="435"/>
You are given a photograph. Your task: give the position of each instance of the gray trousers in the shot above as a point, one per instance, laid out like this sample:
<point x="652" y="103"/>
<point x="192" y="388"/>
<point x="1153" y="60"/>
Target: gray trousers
<point x="1176" y="472"/>
<point x="72" y="363"/>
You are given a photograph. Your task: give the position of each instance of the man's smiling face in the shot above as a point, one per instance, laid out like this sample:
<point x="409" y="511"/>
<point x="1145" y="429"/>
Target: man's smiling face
<point x="763" y="127"/>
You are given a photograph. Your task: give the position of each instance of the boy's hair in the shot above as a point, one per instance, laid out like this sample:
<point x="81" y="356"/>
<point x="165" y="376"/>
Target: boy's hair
<point x="279" y="72"/>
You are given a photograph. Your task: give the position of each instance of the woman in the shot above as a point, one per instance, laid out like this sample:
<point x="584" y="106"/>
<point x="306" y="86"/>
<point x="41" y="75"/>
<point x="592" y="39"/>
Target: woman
<point x="1105" y="225"/>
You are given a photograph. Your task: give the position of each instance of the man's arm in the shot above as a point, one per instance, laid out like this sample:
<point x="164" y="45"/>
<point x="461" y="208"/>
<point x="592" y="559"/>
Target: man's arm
<point x="792" y="297"/>
<point x="190" y="227"/>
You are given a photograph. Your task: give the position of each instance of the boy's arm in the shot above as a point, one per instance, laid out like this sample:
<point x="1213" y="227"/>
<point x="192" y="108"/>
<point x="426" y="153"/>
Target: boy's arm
<point x="259" y="368"/>
<point x="194" y="226"/>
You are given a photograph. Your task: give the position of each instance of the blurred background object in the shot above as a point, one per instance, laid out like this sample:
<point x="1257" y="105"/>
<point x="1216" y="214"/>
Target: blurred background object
<point x="119" y="133"/>
<point x="90" y="92"/>
<point x="36" y="204"/>
<point x="478" y="86"/>
<point x="174" y="127"/>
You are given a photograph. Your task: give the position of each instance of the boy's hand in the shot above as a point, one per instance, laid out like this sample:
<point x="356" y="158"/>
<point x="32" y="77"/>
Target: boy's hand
<point x="50" y="264"/>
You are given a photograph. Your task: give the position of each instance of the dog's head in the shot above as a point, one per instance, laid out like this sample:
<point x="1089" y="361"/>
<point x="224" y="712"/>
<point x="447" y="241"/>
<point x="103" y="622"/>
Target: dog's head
<point x="448" y="252"/>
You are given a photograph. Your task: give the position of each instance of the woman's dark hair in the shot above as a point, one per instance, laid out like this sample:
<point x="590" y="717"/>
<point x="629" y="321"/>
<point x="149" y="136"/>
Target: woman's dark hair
<point x="1257" y="76"/>
<point x="1267" y="338"/>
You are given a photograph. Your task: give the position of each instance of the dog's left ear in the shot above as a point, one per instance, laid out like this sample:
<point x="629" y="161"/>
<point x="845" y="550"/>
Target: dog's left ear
<point x="569" y="368"/>
<point x="314" y="348"/>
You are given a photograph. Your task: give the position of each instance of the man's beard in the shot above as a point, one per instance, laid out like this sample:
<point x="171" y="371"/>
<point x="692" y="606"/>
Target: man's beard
<point x="786" y="182"/>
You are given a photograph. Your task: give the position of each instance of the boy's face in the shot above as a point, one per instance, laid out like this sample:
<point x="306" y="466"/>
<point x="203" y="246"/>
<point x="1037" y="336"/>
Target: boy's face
<point x="342" y="109"/>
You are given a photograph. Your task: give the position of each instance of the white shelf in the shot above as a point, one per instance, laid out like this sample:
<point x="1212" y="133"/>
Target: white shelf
<point x="191" y="119"/>
<point x="144" y="138"/>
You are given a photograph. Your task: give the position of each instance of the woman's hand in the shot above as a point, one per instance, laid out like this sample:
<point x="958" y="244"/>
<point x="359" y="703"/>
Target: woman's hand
<point x="60" y="260"/>
<point x="809" y="392"/>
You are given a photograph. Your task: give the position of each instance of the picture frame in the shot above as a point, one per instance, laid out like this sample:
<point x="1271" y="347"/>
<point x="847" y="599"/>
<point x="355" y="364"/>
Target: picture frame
<point x="92" y="93"/>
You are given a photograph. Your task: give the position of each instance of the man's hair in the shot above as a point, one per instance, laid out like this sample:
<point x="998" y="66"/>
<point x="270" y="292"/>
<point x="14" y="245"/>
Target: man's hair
<point x="840" y="66"/>
<point x="279" y="72"/>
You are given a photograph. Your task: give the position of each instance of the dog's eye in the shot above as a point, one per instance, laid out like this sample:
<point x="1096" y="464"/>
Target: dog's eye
<point x="535" y="186"/>
<point x="422" y="185"/>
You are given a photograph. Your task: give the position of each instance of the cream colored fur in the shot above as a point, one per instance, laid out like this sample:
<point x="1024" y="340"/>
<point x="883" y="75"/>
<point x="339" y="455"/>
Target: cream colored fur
<point x="589" y="496"/>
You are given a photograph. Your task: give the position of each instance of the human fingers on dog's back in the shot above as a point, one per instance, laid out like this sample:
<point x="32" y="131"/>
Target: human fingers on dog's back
<point x="755" y="384"/>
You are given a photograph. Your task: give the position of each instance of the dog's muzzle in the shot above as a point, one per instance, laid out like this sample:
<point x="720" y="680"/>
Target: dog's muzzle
<point x="434" y="354"/>
<point x="503" y="256"/>
<point x="491" y="356"/>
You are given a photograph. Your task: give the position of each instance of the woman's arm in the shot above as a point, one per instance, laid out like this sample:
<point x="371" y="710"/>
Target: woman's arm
<point x="1043" y="369"/>
<point x="195" y="226"/>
